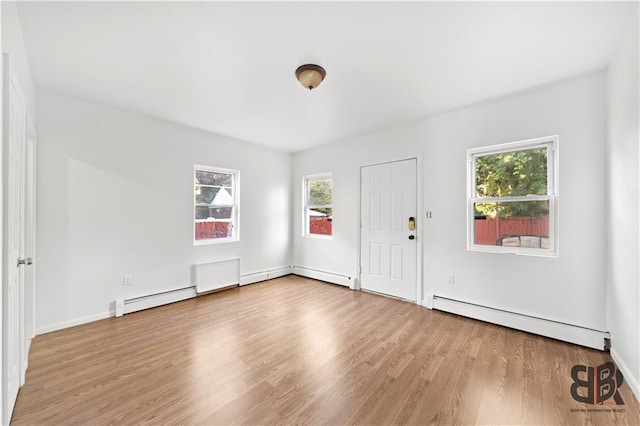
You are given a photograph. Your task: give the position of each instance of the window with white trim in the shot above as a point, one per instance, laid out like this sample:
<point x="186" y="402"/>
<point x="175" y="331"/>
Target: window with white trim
<point x="318" y="207"/>
<point x="215" y="198"/>
<point x="512" y="197"/>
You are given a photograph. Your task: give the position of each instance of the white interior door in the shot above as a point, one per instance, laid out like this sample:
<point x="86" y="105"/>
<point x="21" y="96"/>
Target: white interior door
<point x="388" y="247"/>
<point x="13" y="296"/>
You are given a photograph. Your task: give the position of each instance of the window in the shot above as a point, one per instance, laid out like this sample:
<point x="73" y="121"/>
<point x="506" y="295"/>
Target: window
<point x="215" y="205"/>
<point x="512" y="197"/>
<point x="318" y="210"/>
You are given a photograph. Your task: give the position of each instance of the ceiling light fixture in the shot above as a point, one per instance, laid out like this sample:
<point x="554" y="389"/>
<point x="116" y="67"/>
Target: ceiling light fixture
<point x="310" y="75"/>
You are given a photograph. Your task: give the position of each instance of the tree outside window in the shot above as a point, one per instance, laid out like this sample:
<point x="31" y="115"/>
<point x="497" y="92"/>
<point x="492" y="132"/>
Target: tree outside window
<point x="318" y="207"/>
<point x="216" y="207"/>
<point x="512" y="197"/>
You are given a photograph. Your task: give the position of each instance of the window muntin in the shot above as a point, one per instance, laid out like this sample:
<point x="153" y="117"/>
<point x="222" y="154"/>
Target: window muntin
<point x="512" y="198"/>
<point x="215" y="205"/>
<point x="318" y="207"/>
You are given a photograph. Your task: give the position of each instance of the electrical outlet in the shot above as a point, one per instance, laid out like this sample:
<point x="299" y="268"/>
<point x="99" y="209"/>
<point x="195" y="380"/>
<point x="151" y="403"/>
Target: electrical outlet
<point x="127" y="280"/>
<point x="452" y="280"/>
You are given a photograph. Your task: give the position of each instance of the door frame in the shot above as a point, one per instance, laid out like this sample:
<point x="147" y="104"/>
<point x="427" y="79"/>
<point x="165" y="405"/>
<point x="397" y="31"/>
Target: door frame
<point x="30" y="182"/>
<point x="419" y="220"/>
<point x="3" y="139"/>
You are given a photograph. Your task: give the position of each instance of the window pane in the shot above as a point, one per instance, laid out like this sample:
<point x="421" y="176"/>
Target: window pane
<point x="213" y="178"/>
<point x="221" y="213"/>
<point x="223" y="197"/>
<point x="202" y="212"/>
<point x="205" y="194"/>
<point x="320" y="221"/>
<point x="211" y="213"/>
<point x="319" y="192"/>
<point x="211" y="229"/>
<point x="518" y="224"/>
<point x="510" y="174"/>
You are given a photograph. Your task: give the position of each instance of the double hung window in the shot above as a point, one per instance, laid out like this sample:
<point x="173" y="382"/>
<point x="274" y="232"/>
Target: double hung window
<point x="215" y="204"/>
<point x="318" y="208"/>
<point x="512" y="197"/>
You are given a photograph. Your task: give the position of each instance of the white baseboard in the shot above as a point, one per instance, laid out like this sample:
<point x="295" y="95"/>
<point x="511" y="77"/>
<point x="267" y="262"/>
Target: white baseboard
<point x="71" y="323"/>
<point x="425" y="303"/>
<point x="270" y="274"/>
<point x="279" y="272"/>
<point x="26" y="360"/>
<point x="627" y="374"/>
<point x="329" y="277"/>
<point x="556" y="330"/>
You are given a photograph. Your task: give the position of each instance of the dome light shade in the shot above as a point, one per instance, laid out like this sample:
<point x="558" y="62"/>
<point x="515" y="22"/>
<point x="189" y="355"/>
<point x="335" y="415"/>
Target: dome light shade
<point x="310" y="75"/>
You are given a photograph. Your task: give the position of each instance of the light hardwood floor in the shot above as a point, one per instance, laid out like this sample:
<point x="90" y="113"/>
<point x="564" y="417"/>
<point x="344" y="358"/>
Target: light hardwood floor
<point x="294" y="350"/>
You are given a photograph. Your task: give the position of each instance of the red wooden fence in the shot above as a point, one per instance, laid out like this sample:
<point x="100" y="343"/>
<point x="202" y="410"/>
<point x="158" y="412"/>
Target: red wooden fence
<point x="210" y="229"/>
<point x="489" y="230"/>
<point x="320" y="225"/>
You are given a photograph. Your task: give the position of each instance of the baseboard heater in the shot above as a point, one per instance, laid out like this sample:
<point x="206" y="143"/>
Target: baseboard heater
<point x="329" y="277"/>
<point x="215" y="275"/>
<point x="205" y="278"/>
<point x="135" y="304"/>
<point x="556" y="330"/>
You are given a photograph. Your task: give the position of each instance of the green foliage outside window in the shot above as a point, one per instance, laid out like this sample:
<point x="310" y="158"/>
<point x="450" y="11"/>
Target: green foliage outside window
<point x="211" y="178"/>
<point x="512" y="174"/>
<point x="320" y="194"/>
<point x="208" y="184"/>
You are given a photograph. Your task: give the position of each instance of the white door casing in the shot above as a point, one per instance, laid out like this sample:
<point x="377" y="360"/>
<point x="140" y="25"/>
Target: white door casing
<point x="29" y="238"/>
<point x="388" y="247"/>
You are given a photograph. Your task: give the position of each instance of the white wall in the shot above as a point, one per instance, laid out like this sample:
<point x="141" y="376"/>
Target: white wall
<point x="115" y="196"/>
<point x="624" y="208"/>
<point x="570" y="288"/>
<point x="13" y="44"/>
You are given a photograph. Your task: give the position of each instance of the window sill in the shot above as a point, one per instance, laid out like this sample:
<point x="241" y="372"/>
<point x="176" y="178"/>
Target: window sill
<point x="318" y="236"/>
<point x="512" y="250"/>
<point x="215" y="241"/>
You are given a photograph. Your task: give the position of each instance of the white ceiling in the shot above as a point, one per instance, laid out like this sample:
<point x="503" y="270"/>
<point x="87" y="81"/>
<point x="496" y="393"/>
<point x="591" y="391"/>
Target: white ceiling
<point x="229" y="67"/>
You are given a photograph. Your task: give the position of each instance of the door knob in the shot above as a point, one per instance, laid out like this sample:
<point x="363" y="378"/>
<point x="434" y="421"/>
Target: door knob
<point x="412" y="237"/>
<point x="29" y="260"/>
<point x="21" y="261"/>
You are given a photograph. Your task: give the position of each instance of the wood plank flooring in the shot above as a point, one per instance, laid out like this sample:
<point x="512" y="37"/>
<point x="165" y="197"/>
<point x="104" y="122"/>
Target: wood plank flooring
<point x="294" y="350"/>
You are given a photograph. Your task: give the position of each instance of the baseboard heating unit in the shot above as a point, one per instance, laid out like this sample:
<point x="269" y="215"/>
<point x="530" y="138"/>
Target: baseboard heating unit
<point x="215" y="275"/>
<point x="556" y="330"/>
<point x="329" y="277"/>
<point x="135" y="304"/>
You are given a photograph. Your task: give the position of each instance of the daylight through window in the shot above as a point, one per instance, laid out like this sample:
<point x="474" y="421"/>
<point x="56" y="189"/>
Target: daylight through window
<point x="318" y="209"/>
<point x="512" y="197"/>
<point x="216" y="206"/>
